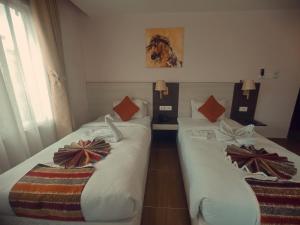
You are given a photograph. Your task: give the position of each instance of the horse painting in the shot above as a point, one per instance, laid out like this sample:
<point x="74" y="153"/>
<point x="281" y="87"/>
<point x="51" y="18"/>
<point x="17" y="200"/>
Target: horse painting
<point x="161" y="50"/>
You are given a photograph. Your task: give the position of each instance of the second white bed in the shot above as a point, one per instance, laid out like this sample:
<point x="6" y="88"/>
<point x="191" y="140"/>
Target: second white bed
<point x="216" y="191"/>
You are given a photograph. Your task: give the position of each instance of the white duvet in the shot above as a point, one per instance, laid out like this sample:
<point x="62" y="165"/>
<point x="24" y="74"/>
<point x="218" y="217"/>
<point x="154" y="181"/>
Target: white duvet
<point x="216" y="190"/>
<point x="116" y="189"/>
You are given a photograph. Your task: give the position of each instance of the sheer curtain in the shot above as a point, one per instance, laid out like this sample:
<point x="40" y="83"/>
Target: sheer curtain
<point x="46" y="22"/>
<point x="26" y="118"/>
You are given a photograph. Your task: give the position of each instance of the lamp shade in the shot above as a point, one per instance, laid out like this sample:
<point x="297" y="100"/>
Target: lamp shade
<point x="160" y="85"/>
<point x="248" y="85"/>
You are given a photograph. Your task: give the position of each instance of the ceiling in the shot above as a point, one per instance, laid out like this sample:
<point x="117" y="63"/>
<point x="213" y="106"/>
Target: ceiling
<point x="103" y="7"/>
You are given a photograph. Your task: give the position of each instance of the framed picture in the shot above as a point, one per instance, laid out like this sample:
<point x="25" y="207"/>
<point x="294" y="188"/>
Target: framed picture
<point x="164" y="47"/>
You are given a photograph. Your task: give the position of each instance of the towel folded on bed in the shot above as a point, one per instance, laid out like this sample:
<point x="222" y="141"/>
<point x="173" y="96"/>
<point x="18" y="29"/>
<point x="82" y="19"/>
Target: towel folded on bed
<point x="202" y="134"/>
<point x="241" y="136"/>
<point x="116" y="133"/>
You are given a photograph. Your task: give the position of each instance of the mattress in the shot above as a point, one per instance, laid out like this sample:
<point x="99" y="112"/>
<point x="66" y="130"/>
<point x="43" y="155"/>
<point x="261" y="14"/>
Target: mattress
<point x="216" y="191"/>
<point x="145" y="121"/>
<point x="115" y="191"/>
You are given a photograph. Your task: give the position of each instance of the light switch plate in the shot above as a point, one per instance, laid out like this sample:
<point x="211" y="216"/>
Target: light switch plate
<point x="168" y="108"/>
<point x="243" y="109"/>
<point x="165" y="108"/>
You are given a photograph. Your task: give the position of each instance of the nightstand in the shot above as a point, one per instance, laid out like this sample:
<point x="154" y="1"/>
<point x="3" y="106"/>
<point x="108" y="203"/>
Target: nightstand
<point x="164" y="130"/>
<point x="254" y="122"/>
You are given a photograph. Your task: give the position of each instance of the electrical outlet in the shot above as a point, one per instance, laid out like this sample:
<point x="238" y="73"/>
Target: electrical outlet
<point x="165" y="108"/>
<point x="243" y="109"/>
<point x="270" y="74"/>
<point x="168" y="108"/>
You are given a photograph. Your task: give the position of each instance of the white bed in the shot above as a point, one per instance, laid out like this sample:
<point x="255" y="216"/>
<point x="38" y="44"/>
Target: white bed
<point x="114" y="194"/>
<point x="216" y="191"/>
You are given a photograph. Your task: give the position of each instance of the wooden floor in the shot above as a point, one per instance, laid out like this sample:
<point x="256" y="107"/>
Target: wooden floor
<point x="293" y="146"/>
<point x="165" y="201"/>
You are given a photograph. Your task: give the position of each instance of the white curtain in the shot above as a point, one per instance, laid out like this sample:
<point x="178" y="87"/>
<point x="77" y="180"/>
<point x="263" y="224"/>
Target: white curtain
<point x="46" y="20"/>
<point x="26" y="119"/>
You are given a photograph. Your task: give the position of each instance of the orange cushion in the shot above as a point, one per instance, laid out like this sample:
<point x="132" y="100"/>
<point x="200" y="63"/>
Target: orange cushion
<point x="126" y="109"/>
<point x="212" y="109"/>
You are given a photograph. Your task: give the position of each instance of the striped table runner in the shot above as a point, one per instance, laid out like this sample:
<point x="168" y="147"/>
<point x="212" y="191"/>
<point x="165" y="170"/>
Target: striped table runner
<point x="279" y="201"/>
<point x="50" y="193"/>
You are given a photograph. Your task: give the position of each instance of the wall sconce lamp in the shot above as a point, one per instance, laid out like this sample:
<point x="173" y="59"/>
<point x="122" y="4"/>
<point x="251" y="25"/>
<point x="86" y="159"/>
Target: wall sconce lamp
<point x="248" y="85"/>
<point x="161" y="86"/>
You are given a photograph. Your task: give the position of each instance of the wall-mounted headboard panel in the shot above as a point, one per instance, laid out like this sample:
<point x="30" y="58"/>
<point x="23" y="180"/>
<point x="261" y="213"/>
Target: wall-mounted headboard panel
<point x="167" y="100"/>
<point x="101" y="96"/>
<point x="201" y="91"/>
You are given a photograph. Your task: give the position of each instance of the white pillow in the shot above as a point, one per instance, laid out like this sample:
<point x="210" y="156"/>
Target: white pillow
<point x="197" y="104"/>
<point x="143" y="105"/>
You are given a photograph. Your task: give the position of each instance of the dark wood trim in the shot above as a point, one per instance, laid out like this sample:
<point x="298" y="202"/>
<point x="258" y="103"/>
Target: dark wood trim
<point x="167" y="100"/>
<point x="295" y="121"/>
<point x="240" y="100"/>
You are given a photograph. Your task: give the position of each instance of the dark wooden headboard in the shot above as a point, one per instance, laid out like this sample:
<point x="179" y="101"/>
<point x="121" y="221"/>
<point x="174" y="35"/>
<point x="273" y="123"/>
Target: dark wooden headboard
<point x="240" y="100"/>
<point x="167" y="100"/>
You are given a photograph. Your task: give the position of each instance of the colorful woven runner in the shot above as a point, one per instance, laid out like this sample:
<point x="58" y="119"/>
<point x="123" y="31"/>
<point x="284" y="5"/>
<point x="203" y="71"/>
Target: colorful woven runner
<point x="279" y="202"/>
<point x="50" y="193"/>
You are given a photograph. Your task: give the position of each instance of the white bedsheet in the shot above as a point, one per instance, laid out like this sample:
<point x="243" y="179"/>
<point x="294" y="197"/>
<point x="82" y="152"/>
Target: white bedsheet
<point x="145" y="121"/>
<point x="116" y="189"/>
<point x="216" y="190"/>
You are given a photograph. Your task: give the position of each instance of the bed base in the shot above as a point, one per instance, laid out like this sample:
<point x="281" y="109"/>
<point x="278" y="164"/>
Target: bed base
<point x="14" y="220"/>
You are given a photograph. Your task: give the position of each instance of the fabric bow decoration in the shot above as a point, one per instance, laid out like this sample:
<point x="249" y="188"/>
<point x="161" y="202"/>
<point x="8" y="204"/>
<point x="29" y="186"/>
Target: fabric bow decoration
<point x="81" y="153"/>
<point x="259" y="160"/>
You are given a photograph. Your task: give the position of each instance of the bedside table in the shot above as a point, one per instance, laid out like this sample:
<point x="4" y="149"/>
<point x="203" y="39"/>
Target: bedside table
<point x="164" y="130"/>
<point x="254" y="122"/>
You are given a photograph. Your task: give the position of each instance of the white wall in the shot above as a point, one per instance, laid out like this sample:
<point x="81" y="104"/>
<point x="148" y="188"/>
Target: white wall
<point x="218" y="47"/>
<point x="72" y="22"/>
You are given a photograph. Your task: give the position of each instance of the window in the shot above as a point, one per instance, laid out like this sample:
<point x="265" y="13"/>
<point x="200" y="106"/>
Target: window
<point x="21" y="64"/>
